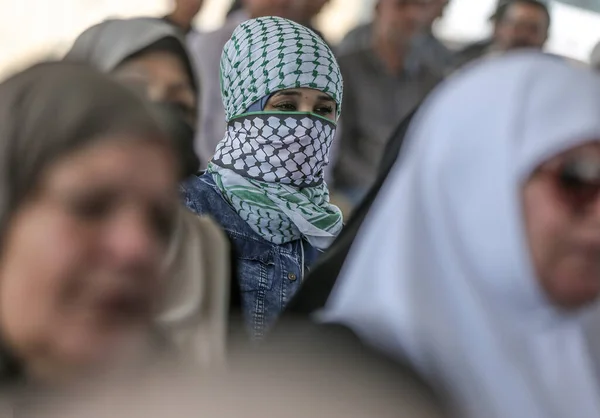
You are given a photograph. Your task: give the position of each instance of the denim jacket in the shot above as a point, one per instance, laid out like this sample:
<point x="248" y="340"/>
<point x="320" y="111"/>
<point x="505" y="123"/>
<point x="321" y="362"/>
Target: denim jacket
<point x="268" y="274"/>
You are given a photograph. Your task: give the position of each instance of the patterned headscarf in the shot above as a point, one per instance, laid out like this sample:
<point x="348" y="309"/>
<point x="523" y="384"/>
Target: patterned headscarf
<point x="269" y="165"/>
<point x="269" y="54"/>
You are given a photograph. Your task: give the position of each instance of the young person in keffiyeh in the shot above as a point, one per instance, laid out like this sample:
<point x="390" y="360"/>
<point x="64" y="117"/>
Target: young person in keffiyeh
<point x="282" y="92"/>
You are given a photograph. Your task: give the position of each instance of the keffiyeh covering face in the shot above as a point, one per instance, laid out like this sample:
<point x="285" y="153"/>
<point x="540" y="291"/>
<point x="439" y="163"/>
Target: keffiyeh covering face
<point x="270" y="165"/>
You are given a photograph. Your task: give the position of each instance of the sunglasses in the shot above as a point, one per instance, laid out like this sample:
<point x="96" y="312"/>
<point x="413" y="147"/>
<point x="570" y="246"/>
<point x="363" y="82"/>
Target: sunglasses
<point x="578" y="180"/>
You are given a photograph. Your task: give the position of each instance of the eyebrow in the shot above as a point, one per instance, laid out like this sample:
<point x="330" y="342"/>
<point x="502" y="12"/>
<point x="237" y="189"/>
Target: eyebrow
<point x="323" y="97"/>
<point x="326" y="99"/>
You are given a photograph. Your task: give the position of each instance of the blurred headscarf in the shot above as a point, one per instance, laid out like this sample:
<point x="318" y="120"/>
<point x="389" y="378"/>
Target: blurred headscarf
<point x="49" y="111"/>
<point x="194" y="313"/>
<point x="52" y="109"/>
<point x="270" y="165"/>
<point x="109" y="44"/>
<point x="441" y="271"/>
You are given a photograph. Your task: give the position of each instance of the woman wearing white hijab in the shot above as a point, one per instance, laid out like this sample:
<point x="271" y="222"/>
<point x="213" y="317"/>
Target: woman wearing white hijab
<point x="481" y="257"/>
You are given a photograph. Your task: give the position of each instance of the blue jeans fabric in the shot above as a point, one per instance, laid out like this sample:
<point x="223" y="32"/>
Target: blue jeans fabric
<point x="268" y="274"/>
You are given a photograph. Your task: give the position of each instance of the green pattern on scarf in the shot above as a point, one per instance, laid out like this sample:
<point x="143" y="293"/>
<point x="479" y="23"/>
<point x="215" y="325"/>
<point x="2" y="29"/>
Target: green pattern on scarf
<point x="281" y="213"/>
<point x="281" y="195"/>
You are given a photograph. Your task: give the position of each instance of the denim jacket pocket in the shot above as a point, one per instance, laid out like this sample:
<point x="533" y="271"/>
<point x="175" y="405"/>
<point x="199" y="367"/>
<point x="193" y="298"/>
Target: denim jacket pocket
<point x="255" y="265"/>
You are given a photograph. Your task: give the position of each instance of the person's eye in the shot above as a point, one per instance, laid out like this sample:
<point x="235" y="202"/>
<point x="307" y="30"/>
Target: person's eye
<point x="162" y="222"/>
<point x="324" y="110"/>
<point x="91" y="208"/>
<point x="286" y="107"/>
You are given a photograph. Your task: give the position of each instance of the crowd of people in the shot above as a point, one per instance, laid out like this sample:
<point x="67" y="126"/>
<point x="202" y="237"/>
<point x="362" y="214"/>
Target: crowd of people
<point x="254" y="220"/>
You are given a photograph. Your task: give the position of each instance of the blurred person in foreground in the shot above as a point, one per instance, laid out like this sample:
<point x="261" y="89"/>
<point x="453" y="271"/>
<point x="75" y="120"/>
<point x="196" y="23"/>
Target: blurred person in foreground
<point x="325" y="373"/>
<point x="479" y="259"/>
<point x="383" y="84"/>
<point x="265" y="185"/>
<point x="517" y="24"/>
<point x="89" y="194"/>
<point x="148" y="56"/>
<point x="209" y="47"/>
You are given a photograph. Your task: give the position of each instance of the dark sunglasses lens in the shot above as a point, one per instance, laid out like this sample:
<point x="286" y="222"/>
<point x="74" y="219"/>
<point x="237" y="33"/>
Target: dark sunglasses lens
<point x="580" y="181"/>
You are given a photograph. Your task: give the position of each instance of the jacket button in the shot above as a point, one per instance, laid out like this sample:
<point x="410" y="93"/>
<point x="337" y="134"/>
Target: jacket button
<point x="292" y="277"/>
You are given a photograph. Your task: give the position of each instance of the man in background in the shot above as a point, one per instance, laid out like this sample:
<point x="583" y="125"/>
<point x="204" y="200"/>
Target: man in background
<point x="517" y="24"/>
<point x="183" y="14"/>
<point x="426" y="46"/>
<point x="356" y="39"/>
<point x="208" y="48"/>
<point x="383" y="83"/>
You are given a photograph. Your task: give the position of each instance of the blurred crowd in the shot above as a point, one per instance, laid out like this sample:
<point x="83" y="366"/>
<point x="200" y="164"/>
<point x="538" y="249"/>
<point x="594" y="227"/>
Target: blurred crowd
<point x="253" y="220"/>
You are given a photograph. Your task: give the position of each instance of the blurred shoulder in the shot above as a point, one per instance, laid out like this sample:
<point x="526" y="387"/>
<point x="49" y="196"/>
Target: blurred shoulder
<point x="332" y="359"/>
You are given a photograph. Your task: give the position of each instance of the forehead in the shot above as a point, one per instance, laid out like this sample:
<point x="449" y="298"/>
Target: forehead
<point x="117" y="159"/>
<point x="305" y="92"/>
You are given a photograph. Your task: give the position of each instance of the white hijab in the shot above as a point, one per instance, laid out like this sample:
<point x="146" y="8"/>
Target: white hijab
<point x="441" y="273"/>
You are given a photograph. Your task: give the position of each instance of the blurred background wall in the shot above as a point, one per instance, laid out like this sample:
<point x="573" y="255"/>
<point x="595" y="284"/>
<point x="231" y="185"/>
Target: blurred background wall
<point x="30" y="29"/>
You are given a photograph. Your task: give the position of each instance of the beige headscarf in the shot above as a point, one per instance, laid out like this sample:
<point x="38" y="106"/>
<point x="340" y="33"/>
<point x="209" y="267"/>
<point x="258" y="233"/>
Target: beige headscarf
<point x="195" y="313"/>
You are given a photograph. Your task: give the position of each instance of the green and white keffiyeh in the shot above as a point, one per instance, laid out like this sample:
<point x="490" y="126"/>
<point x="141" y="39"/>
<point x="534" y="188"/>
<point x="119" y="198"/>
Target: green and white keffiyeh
<point x="269" y="54"/>
<point x="269" y="165"/>
<point x="281" y="213"/>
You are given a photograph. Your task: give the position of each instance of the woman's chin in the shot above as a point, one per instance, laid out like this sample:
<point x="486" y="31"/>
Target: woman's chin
<point x="87" y="352"/>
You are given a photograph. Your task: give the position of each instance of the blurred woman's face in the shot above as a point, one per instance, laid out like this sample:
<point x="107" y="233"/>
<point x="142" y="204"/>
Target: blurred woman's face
<point x="82" y="257"/>
<point x="303" y="100"/>
<point x="562" y="215"/>
<point x="162" y="78"/>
